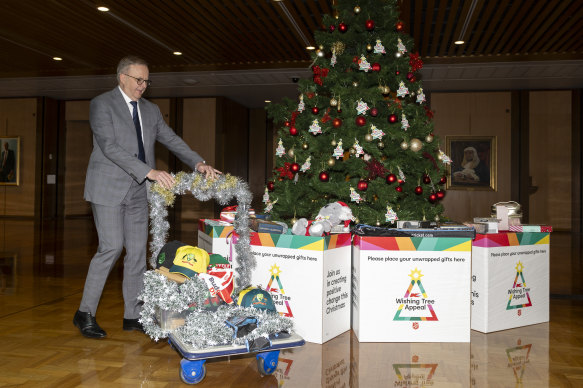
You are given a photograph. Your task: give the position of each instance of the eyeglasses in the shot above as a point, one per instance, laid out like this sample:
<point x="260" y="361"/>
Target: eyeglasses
<point x="140" y="80"/>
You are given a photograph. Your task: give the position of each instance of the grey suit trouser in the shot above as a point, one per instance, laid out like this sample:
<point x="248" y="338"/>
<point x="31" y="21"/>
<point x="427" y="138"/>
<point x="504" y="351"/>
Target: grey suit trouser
<point x="124" y="225"/>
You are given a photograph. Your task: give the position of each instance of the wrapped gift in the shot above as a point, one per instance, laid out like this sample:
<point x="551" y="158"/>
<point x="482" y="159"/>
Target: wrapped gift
<point x="228" y="214"/>
<point x="531" y="228"/>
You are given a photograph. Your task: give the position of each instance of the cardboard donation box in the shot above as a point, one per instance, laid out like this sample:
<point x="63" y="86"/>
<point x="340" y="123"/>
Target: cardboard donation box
<point x="214" y="236"/>
<point x="412" y="289"/>
<point x="510" y="280"/>
<point x="309" y="279"/>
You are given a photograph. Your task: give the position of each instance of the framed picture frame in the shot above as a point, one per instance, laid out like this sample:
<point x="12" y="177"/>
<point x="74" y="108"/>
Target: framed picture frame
<point x="9" y="160"/>
<point x="473" y="162"/>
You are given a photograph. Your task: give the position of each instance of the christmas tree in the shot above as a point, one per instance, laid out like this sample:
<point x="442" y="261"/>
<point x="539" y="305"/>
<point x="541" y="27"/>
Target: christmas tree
<point x="360" y="131"/>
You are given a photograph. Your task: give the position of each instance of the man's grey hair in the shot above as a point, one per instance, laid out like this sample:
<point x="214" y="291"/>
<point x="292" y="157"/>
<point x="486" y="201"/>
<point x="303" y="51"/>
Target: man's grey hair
<point x="126" y="62"/>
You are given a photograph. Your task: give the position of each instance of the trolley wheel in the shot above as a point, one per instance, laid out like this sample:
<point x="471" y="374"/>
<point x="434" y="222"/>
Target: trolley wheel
<point x="192" y="372"/>
<point x="267" y="362"/>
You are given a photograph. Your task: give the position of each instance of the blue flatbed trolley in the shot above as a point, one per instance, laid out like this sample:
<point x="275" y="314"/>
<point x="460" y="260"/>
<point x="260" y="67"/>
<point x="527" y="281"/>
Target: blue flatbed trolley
<point x="193" y="370"/>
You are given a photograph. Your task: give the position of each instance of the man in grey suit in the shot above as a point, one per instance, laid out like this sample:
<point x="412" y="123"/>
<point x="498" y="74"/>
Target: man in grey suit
<point x="125" y="129"/>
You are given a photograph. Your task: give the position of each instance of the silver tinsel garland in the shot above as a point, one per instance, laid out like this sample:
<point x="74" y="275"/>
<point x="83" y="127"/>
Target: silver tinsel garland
<point x="223" y="190"/>
<point x="202" y="328"/>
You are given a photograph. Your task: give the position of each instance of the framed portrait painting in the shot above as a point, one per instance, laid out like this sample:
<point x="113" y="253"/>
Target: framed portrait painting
<point x="9" y="160"/>
<point x="473" y="162"/>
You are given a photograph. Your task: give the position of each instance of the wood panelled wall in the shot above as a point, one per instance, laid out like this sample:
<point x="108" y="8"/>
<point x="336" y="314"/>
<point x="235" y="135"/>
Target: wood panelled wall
<point x="549" y="151"/>
<point x="21" y="117"/>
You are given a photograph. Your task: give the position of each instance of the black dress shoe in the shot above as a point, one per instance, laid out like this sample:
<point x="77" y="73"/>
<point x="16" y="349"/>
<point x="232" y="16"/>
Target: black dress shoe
<point x="88" y="325"/>
<point x="132" y="324"/>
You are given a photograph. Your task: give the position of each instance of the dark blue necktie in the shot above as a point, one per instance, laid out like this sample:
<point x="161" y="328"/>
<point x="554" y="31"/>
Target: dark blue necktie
<point x="141" y="152"/>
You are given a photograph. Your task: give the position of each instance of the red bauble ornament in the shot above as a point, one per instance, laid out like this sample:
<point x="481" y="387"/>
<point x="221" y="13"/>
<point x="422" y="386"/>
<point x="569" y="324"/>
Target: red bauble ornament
<point x="399" y="26"/>
<point x="426" y="179"/>
<point x="443" y="180"/>
<point x="376" y="67"/>
<point x="360" y="121"/>
<point x="369" y="24"/>
<point x="315" y="110"/>
<point x="293" y="131"/>
<point x="392" y="118"/>
<point x="270" y="186"/>
<point x="399" y="189"/>
<point x="294" y="167"/>
<point x="287" y="123"/>
<point x="410" y="75"/>
<point x="418" y="190"/>
<point x="374" y="112"/>
<point x="324" y="176"/>
<point x="440" y="194"/>
<point x="397" y="72"/>
<point x="413" y="79"/>
<point x="342" y="27"/>
<point x="332" y="28"/>
<point x="336" y="123"/>
<point x="362" y="185"/>
<point x="391" y="178"/>
<point x="432" y="198"/>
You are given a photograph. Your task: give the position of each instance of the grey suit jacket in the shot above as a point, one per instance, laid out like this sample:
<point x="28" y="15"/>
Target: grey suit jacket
<point x="114" y="162"/>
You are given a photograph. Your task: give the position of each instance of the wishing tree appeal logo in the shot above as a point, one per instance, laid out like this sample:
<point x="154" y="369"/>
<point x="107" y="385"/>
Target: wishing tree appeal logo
<point x="414" y="374"/>
<point x="415" y="301"/>
<point x="518" y="296"/>
<point x="517" y="360"/>
<point x="279" y="297"/>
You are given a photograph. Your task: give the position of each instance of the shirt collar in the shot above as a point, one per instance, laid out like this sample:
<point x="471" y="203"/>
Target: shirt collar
<point x="125" y="97"/>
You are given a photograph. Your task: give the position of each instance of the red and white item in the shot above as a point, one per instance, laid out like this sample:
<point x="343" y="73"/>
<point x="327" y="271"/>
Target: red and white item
<point x="220" y="281"/>
<point x="228" y="213"/>
<point x="530" y="228"/>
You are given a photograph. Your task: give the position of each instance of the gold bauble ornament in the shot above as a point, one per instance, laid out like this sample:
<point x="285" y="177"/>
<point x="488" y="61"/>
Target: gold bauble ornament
<point x="415" y="145"/>
<point x="355" y="84"/>
<point x="321" y="47"/>
<point x="305" y="146"/>
<point x="404" y="145"/>
<point x="320" y="53"/>
<point x="331" y="162"/>
<point x="436" y="218"/>
<point x="368" y="137"/>
<point x="397" y="55"/>
<point x="352" y="151"/>
<point x="357" y="9"/>
<point x="381" y="145"/>
<point x="293" y="220"/>
<point x="291" y="152"/>
<point x="429" y="138"/>
<point x="356" y="220"/>
<point x="333" y="102"/>
<point x="378" y="223"/>
<point x="369" y="47"/>
<point x="333" y="142"/>
<point x="385" y="89"/>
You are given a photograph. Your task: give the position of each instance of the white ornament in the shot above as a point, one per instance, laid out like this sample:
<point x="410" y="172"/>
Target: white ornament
<point x="354" y="196"/>
<point x="379" y="48"/>
<point x="420" y="96"/>
<point x="403" y="91"/>
<point x="269" y="206"/>
<point x="376" y="133"/>
<point x="363" y="64"/>
<point x="279" y="151"/>
<point x="404" y="122"/>
<point x="444" y="158"/>
<point x="333" y="59"/>
<point x="301" y="105"/>
<point x="266" y="196"/>
<point x="391" y="215"/>
<point x="358" y="149"/>
<point x="338" y="151"/>
<point x="315" y="127"/>
<point x="362" y="107"/>
<point x="306" y="165"/>
<point x="401" y="175"/>
<point x="401" y="46"/>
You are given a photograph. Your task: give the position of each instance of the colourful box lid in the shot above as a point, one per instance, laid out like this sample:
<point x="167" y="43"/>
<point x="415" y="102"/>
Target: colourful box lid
<point x="300" y="242"/>
<point x="463" y="244"/>
<point x="215" y="228"/>
<point x="507" y="239"/>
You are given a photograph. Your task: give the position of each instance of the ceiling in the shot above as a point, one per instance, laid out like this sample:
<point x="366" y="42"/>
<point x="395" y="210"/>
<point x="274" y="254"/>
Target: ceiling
<point x="250" y="50"/>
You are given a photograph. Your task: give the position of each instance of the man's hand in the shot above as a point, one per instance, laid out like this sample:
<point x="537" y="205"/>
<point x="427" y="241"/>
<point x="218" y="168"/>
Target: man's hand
<point x="162" y="177"/>
<point x="207" y="170"/>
